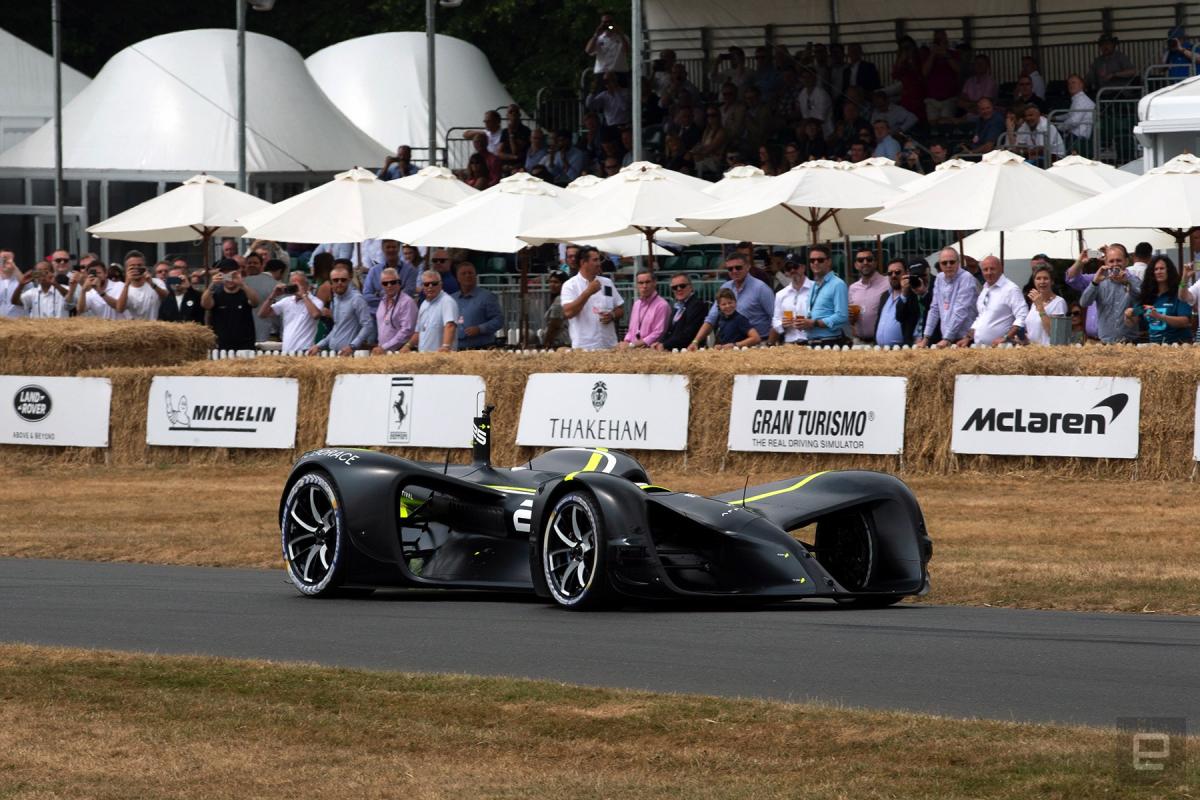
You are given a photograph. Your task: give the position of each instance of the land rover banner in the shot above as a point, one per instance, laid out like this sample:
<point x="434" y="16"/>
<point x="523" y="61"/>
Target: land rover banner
<point x="404" y="410"/>
<point x="1038" y="415"/>
<point x="58" y="412"/>
<point x="222" y="412"/>
<point x="817" y="414"/>
<point x="629" y="412"/>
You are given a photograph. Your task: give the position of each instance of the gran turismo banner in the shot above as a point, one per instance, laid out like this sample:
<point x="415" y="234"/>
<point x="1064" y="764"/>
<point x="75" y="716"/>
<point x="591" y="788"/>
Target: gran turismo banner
<point x="55" y="412"/>
<point x="222" y="412"/>
<point x="404" y="410"/>
<point x="629" y="412"/>
<point x="817" y="414"/>
<point x="1041" y="415"/>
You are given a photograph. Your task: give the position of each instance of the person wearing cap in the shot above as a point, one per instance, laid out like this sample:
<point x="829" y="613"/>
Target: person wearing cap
<point x="952" y="308"/>
<point x="791" y="306"/>
<point x="1111" y="67"/>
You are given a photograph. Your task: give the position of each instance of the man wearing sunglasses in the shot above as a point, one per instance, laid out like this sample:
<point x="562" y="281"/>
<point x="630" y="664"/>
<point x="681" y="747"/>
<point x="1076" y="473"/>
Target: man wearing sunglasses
<point x="437" y="321"/>
<point x="791" y="305"/>
<point x="864" y="296"/>
<point x="952" y="309"/>
<point x="828" y="301"/>
<point x="755" y="300"/>
<point x="353" y="325"/>
<point x="899" y="310"/>
<point x="687" y="315"/>
<point x="396" y="317"/>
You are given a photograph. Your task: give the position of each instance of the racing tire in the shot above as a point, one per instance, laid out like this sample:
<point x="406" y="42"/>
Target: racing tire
<point x="573" y="553"/>
<point x="313" y="536"/>
<point x="845" y="546"/>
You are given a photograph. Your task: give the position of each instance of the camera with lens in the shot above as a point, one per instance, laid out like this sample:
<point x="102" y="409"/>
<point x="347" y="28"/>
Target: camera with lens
<point x="916" y="274"/>
<point x="291" y="288"/>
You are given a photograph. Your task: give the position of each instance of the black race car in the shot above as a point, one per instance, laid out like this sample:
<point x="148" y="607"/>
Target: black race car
<point x="583" y="526"/>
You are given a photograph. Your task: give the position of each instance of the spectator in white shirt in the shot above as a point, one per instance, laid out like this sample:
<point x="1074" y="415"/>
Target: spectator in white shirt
<point x="140" y="296"/>
<point x="612" y="100"/>
<point x="96" y="295"/>
<point x="437" y="320"/>
<point x="10" y="278"/>
<point x="491" y="131"/>
<point x="1034" y="133"/>
<point x="1029" y="69"/>
<point x="299" y="310"/>
<point x="48" y="299"/>
<point x="1044" y="304"/>
<point x="813" y="102"/>
<point x="897" y="116"/>
<point x="591" y="305"/>
<point x="791" y="306"/>
<point x="609" y="45"/>
<point x="1079" y="121"/>
<point x="1000" y="308"/>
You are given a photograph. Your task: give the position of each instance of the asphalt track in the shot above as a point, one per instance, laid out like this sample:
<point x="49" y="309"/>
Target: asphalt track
<point x="965" y="662"/>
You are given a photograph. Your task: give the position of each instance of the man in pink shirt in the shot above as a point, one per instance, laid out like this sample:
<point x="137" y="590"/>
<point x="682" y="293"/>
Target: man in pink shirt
<point x="396" y="317"/>
<point x="864" y="296"/>
<point x="650" y="314"/>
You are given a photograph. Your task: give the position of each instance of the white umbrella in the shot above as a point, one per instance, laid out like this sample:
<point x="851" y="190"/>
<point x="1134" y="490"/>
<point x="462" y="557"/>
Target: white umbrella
<point x="1000" y="193"/>
<point x="1166" y="198"/>
<point x="736" y="181"/>
<point x="815" y="201"/>
<point x="643" y="198"/>
<point x="884" y="170"/>
<point x="585" y="185"/>
<point x="203" y="207"/>
<point x="940" y="173"/>
<point x="354" y="206"/>
<point x="1094" y="175"/>
<point x="437" y="182"/>
<point x="1058" y="244"/>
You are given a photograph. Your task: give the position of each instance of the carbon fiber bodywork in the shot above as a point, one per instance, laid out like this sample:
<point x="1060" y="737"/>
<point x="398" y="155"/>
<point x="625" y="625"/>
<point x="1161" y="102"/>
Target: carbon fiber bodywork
<point x="851" y="535"/>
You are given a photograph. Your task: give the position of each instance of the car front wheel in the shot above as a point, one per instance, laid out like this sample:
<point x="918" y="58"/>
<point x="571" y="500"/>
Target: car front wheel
<point x="313" y="538"/>
<point x="573" y="552"/>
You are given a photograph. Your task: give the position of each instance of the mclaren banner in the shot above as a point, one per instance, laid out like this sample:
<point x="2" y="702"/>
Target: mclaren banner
<point x="59" y="412"/>
<point x="629" y="412"/>
<point x="404" y="410"/>
<point x="222" y="412"/>
<point x="1038" y="415"/>
<point x="817" y="414"/>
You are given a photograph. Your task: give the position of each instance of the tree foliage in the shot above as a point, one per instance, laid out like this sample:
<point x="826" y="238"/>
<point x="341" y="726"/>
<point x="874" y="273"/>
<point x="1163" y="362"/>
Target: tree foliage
<point x="530" y="44"/>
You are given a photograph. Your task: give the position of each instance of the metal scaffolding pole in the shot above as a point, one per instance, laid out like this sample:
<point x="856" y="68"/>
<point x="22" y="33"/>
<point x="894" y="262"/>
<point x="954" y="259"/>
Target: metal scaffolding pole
<point x="56" y="34"/>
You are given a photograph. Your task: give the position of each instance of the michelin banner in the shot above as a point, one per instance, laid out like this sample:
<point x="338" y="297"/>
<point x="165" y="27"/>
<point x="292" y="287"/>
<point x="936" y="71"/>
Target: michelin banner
<point x="404" y="410"/>
<point x="583" y="409"/>
<point x="817" y="414"/>
<point x="56" y="412"/>
<point x="222" y="412"/>
<point x="1040" y="415"/>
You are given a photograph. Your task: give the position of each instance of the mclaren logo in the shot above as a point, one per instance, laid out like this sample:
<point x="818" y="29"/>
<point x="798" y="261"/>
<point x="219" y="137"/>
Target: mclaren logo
<point x="1018" y="420"/>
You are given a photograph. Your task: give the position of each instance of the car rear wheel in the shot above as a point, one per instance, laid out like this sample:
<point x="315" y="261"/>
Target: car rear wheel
<point x="313" y="536"/>
<point x="573" y="552"/>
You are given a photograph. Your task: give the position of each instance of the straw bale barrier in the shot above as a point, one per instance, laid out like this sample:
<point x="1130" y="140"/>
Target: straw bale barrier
<point x="68" y="346"/>
<point x="1169" y="377"/>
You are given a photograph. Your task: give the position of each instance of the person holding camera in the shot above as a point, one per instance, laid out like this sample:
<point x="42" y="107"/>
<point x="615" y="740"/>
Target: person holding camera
<point x="899" y="310"/>
<point x="10" y="278"/>
<point x="398" y="166"/>
<point x="229" y="301"/>
<point x="96" y="295"/>
<point x="609" y="45"/>
<point x="140" y="297"/>
<point x="49" y="299"/>
<point x="182" y="303"/>
<point x="298" y="309"/>
<point x="1112" y="290"/>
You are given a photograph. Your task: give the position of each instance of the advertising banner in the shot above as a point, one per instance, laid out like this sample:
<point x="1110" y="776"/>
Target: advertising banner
<point x="587" y="409"/>
<point x="817" y="414"/>
<point x="404" y="410"/>
<point x="1196" y="428"/>
<point x="222" y="412"/>
<point x="56" y="412"/>
<point x="1040" y="415"/>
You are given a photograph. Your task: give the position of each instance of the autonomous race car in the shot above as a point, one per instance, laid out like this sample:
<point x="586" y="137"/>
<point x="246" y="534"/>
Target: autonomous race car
<point x="584" y="527"/>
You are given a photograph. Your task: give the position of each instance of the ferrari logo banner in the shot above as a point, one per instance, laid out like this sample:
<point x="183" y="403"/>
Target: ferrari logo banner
<point x="404" y="410"/>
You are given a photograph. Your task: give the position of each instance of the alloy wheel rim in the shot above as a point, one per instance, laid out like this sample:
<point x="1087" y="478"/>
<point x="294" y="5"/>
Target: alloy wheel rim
<point x="569" y="550"/>
<point x="312" y="532"/>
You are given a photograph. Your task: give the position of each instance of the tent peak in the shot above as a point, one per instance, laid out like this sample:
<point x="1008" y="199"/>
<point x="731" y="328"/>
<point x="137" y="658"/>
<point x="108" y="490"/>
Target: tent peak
<point x="1180" y="164"/>
<point x="356" y="174"/>
<point x="1002" y="157"/>
<point x="204" y="177"/>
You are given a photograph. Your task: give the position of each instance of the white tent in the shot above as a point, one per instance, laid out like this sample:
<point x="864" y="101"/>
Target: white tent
<point x="1169" y="122"/>
<point x="167" y="107"/>
<point x="27" y="88"/>
<point x="380" y="82"/>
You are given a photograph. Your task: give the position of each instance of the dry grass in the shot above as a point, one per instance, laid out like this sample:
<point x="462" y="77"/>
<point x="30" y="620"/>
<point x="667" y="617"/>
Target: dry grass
<point x="68" y="346"/>
<point x="92" y="725"/>
<point x="1025" y="541"/>
<point x="1168" y="396"/>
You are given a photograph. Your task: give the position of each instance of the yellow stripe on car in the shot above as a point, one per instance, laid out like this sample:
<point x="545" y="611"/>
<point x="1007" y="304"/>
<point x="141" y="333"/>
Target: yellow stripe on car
<point x="593" y="462"/>
<point x="798" y="485"/>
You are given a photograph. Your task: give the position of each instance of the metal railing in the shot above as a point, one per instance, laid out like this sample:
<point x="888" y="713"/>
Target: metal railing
<point x="1113" y="141"/>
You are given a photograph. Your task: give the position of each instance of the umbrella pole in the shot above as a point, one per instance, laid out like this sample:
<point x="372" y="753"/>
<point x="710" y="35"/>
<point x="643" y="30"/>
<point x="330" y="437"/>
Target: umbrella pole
<point x="1001" y="249"/>
<point x="961" y="255"/>
<point x="207" y="244"/>
<point x="878" y="251"/>
<point x="650" y="249"/>
<point x="523" y="262"/>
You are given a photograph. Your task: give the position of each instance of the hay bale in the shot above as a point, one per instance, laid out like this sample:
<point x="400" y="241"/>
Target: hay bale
<point x="1168" y="391"/>
<point x="68" y="346"/>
